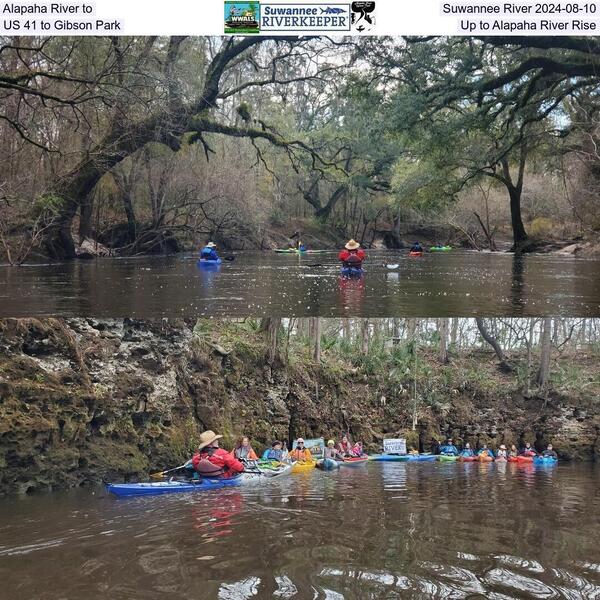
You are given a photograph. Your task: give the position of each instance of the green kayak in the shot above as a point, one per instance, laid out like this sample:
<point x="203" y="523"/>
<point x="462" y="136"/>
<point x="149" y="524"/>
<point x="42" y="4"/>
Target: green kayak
<point x="447" y="458"/>
<point x="440" y="248"/>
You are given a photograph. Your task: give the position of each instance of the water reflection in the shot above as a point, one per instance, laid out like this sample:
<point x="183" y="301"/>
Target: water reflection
<point x="444" y="284"/>
<point x="389" y="530"/>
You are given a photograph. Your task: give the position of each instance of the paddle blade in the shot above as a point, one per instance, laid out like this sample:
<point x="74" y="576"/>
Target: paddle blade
<point x="157" y="475"/>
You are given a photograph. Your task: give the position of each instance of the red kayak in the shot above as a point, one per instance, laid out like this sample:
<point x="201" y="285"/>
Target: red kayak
<point x="513" y="459"/>
<point x="412" y="253"/>
<point x="525" y="459"/>
<point x="467" y="458"/>
<point x="354" y="462"/>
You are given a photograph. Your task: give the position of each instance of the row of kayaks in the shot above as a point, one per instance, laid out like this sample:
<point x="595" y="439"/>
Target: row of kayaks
<point x="545" y="460"/>
<point x="411" y="253"/>
<point x="263" y="473"/>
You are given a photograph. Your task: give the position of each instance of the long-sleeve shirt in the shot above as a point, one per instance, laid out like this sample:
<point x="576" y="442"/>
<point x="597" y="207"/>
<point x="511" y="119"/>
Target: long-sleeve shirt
<point x="302" y="455"/>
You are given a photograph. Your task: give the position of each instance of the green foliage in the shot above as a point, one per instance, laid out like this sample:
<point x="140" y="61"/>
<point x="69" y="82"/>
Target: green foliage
<point x="48" y="206"/>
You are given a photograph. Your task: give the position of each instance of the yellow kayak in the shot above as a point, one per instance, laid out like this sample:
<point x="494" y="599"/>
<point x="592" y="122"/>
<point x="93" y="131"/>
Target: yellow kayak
<point x="301" y="467"/>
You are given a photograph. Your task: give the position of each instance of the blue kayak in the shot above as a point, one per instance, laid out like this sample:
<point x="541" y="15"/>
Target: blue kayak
<point x="154" y="488"/>
<point x="422" y="457"/>
<point x="328" y="464"/>
<point x="544" y="460"/>
<point x="389" y="457"/>
<point x="206" y="262"/>
<point x="352" y="272"/>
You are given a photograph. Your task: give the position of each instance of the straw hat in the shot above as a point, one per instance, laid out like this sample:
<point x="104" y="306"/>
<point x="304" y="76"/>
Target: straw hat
<point x="211" y="245"/>
<point x="352" y="245"/>
<point x="207" y="438"/>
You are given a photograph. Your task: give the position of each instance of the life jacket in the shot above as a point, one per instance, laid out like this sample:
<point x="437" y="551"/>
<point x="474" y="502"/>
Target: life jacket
<point x="208" y="469"/>
<point x="353" y="260"/>
<point x="243" y="452"/>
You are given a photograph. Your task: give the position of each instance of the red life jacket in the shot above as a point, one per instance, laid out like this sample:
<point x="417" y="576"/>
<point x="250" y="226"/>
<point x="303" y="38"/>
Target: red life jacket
<point x="216" y="462"/>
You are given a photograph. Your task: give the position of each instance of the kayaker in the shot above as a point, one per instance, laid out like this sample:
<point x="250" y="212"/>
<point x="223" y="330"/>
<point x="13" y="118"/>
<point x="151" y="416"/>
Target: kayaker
<point x="449" y="449"/>
<point x="467" y="451"/>
<point x="331" y="451"/>
<point x="513" y="452"/>
<point x="352" y="256"/>
<point x="416" y="247"/>
<point x="550" y="453"/>
<point x="275" y="452"/>
<point x="243" y="450"/>
<point x="485" y="451"/>
<point x="528" y="450"/>
<point x="357" y="449"/>
<point x="212" y="461"/>
<point x="345" y="447"/>
<point x="502" y="452"/>
<point x="209" y="252"/>
<point x="300" y="453"/>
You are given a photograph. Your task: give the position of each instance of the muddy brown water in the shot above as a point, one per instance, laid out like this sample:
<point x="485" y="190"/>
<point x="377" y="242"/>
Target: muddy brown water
<point x="385" y="530"/>
<point x="457" y="283"/>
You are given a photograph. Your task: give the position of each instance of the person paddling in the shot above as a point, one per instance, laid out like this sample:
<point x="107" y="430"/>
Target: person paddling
<point x="467" y="451"/>
<point x="502" y="452"/>
<point x="449" y="449"/>
<point x="528" y="450"/>
<point x="352" y="256"/>
<point x="345" y="447"/>
<point x="331" y="451"/>
<point x="416" y="247"/>
<point x="243" y="450"/>
<point x="209" y="252"/>
<point x="212" y="461"/>
<point x="484" y="452"/>
<point x="550" y="453"/>
<point x="275" y="452"/>
<point x="300" y="453"/>
<point x="513" y="452"/>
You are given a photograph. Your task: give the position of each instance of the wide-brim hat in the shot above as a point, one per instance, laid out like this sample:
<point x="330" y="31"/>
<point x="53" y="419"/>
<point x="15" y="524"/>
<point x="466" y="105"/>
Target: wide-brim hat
<point x="352" y="245"/>
<point x="502" y="447"/>
<point x="300" y="441"/>
<point x="207" y="438"/>
<point x="211" y="245"/>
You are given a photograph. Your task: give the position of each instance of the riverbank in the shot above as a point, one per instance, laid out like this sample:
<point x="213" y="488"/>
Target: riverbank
<point x="17" y="245"/>
<point x="87" y="400"/>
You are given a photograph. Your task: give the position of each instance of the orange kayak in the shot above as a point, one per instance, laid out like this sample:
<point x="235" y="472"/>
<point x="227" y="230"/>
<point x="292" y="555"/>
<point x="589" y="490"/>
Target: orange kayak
<point x="525" y="459"/>
<point x="485" y="459"/>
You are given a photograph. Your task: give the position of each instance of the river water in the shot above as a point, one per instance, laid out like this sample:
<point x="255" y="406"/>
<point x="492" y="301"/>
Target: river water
<point x="456" y="283"/>
<point x="385" y="530"/>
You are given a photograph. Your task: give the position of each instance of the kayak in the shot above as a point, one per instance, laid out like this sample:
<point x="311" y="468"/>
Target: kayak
<point x="422" y="457"/>
<point x="447" y="458"/>
<point x="265" y="474"/>
<point x="209" y="262"/>
<point x="354" y="462"/>
<point x="485" y="459"/>
<point x="513" y="459"/>
<point x="352" y="271"/>
<point x="390" y="457"/>
<point x="414" y="254"/>
<point x="328" y="464"/>
<point x="545" y="460"/>
<point x="525" y="459"/>
<point x="467" y="458"/>
<point x="155" y="488"/>
<point x="440" y="248"/>
<point x="301" y="467"/>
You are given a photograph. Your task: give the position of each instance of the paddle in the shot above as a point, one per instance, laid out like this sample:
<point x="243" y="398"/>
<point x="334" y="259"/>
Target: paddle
<point x="229" y="258"/>
<point x="394" y="266"/>
<point x="163" y="473"/>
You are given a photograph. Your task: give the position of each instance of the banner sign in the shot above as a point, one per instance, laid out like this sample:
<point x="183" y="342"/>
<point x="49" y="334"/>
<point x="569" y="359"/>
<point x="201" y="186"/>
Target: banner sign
<point x="394" y="446"/>
<point x="297" y="17"/>
<point x="316" y="447"/>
